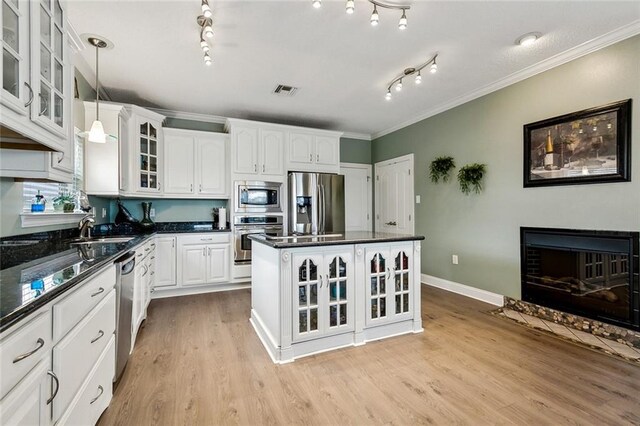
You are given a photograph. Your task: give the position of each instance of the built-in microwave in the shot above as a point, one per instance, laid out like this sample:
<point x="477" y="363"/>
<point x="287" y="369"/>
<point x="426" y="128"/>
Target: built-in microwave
<point x="258" y="197"/>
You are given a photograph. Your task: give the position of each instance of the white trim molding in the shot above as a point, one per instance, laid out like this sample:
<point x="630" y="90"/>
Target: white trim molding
<point x="30" y="220"/>
<point x="192" y="116"/>
<point x="360" y="136"/>
<point x="465" y="290"/>
<point x="576" y="52"/>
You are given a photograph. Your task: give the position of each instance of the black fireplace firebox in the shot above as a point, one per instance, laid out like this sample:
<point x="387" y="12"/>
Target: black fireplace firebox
<point x="589" y="273"/>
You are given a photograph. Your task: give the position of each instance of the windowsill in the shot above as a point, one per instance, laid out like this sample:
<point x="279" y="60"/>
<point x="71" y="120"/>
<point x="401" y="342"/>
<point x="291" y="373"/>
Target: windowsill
<point x="47" y="218"/>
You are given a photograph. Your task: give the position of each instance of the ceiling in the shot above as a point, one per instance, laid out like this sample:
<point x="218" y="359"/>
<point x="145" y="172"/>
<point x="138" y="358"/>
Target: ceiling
<point x="339" y="62"/>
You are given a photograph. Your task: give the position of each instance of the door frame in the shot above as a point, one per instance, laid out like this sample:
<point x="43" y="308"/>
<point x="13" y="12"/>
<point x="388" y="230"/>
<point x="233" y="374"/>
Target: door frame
<point x="369" y="170"/>
<point x="384" y="163"/>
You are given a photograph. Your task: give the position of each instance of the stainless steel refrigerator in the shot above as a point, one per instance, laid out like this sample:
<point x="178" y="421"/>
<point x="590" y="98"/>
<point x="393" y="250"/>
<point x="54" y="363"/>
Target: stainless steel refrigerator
<point x="316" y="203"/>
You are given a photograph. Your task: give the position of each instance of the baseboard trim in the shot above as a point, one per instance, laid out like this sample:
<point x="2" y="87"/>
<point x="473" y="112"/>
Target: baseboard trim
<point x="465" y="290"/>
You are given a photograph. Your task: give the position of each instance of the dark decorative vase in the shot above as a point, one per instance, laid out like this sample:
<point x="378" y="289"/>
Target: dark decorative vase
<point x="124" y="216"/>
<point x="146" y="223"/>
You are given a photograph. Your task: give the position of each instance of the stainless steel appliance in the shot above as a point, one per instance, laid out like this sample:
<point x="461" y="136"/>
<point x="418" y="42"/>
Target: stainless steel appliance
<point x="316" y="203"/>
<point x="124" y="309"/>
<point x="257" y="197"/>
<point x="247" y="225"/>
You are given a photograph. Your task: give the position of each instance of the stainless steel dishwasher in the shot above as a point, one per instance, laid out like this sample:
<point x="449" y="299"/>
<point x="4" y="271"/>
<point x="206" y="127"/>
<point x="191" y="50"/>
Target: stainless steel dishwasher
<point x="125" y="266"/>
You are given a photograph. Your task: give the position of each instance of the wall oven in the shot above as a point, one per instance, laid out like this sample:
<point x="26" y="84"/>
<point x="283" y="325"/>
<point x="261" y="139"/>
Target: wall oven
<point x="258" y="197"/>
<point x="246" y="225"/>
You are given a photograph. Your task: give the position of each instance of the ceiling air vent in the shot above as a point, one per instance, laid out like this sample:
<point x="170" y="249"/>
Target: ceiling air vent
<point x="284" y="90"/>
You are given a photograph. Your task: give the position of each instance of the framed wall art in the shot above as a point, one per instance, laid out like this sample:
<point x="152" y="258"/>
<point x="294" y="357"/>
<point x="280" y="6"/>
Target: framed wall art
<point x="590" y="146"/>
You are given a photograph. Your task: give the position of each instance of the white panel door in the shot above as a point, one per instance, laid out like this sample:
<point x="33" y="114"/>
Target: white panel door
<point x="218" y="263"/>
<point x="245" y="145"/>
<point x="357" y="197"/>
<point x="272" y="152"/>
<point x="301" y="148"/>
<point x="26" y="403"/>
<point x="327" y="150"/>
<point x="178" y="164"/>
<point x="212" y="166"/>
<point x="394" y="195"/>
<point x="193" y="266"/>
<point x="165" y="266"/>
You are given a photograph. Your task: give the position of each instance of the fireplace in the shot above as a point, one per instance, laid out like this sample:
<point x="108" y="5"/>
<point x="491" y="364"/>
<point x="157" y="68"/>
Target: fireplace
<point x="589" y="273"/>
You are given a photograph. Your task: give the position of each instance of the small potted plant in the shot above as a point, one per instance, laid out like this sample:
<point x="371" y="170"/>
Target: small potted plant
<point x="470" y="178"/>
<point x="440" y="169"/>
<point x="60" y="202"/>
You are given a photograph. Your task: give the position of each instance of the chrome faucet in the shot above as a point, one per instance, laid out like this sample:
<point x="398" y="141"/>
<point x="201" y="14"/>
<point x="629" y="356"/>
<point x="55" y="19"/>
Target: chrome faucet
<point x="85" y="225"/>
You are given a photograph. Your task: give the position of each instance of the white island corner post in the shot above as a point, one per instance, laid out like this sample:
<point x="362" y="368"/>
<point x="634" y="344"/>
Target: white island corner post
<point x="314" y="294"/>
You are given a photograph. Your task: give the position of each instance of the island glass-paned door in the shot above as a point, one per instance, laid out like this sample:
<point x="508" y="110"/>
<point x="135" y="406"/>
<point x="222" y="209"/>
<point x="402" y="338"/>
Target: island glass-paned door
<point x="401" y="282"/>
<point x="338" y="293"/>
<point x="306" y="321"/>
<point x="148" y="173"/>
<point x="378" y="274"/>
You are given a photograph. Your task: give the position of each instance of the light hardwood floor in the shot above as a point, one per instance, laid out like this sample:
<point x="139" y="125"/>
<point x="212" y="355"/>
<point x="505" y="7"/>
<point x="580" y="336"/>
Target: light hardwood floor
<point x="198" y="362"/>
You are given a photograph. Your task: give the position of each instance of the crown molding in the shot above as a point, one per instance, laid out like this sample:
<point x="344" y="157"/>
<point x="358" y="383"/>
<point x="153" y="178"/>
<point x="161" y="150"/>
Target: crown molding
<point x="576" y="52"/>
<point x="361" y="136"/>
<point x="192" y="116"/>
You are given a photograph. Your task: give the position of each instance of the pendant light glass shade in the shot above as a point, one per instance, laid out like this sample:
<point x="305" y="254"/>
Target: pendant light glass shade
<point x="96" y="134"/>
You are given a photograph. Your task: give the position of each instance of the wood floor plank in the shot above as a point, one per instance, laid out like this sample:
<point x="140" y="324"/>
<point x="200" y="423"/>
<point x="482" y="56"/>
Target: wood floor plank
<point x="198" y="362"/>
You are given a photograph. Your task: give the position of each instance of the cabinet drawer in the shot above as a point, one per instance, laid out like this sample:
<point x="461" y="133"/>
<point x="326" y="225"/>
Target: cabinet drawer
<point x="68" y="312"/>
<point x="21" y="350"/>
<point x="96" y="392"/>
<point x="212" y="238"/>
<point x="77" y="353"/>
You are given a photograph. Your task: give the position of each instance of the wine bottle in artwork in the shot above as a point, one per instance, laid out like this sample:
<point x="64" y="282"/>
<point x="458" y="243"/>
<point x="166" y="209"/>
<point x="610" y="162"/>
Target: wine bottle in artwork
<point x="548" y="157"/>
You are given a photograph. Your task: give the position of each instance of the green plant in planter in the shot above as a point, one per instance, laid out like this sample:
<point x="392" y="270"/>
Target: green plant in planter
<point x="440" y="168"/>
<point x="62" y="199"/>
<point x="470" y="178"/>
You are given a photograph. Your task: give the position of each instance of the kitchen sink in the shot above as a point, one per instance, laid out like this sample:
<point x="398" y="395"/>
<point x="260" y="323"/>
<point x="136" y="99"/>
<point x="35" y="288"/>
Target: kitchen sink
<point x="102" y="240"/>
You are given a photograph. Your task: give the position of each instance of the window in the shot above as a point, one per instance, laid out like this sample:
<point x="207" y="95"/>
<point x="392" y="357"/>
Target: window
<point x="51" y="190"/>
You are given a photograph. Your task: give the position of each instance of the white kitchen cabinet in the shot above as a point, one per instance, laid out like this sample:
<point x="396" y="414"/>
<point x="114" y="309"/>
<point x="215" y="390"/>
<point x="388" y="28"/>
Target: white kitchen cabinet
<point x="101" y="159"/>
<point x="257" y="151"/>
<point x="195" y="164"/>
<point x="389" y="272"/>
<point x="143" y="276"/>
<point x="165" y="267"/>
<point x="27" y="403"/>
<point x="323" y="294"/>
<point x="313" y="151"/>
<point x="141" y="152"/>
<point x="36" y="73"/>
<point x="204" y="259"/>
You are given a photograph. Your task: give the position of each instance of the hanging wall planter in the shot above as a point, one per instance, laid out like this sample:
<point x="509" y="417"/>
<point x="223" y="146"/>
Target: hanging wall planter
<point x="440" y="168"/>
<point x="470" y="178"/>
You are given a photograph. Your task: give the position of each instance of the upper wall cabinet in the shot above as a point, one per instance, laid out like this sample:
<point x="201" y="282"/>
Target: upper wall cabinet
<point x="141" y="152"/>
<point x="36" y="69"/>
<point x="313" y="151"/>
<point x="257" y="151"/>
<point x="195" y="164"/>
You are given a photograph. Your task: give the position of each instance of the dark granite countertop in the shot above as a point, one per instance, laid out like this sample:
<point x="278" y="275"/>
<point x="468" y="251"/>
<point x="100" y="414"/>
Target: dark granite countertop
<point x="36" y="268"/>
<point x="335" y="240"/>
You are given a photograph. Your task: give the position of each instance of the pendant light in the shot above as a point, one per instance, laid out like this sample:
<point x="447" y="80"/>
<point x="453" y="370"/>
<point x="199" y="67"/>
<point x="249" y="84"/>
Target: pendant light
<point x="96" y="134"/>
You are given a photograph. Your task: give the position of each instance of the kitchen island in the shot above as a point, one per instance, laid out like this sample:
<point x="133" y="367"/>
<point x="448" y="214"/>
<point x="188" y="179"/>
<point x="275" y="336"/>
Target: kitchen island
<point x="311" y="294"/>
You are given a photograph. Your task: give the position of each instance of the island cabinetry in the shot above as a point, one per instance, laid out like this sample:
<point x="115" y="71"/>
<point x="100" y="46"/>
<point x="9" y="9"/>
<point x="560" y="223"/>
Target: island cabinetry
<point x="323" y="294"/>
<point x="310" y="299"/>
<point x="389" y="278"/>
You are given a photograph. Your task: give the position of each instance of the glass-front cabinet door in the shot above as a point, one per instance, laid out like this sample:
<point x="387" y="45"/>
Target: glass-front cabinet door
<point x="378" y="272"/>
<point x="402" y="294"/>
<point x="339" y="293"/>
<point x="148" y="169"/>
<point x="16" y="91"/>
<point x="49" y="65"/>
<point x="306" y="285"/>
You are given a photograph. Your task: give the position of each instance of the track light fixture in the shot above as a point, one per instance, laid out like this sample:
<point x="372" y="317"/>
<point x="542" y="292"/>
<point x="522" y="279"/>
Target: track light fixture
<point x="351" y="6"/>
<point x="397" y="82"/>
<point x="206" y="30"/>
<point x="317" y="4"/>
<point x="403" y="21"/>
<point x="375" y="18"/>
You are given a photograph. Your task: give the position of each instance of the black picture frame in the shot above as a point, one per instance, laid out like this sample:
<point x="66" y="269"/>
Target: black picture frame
<point x="573" y="140"/>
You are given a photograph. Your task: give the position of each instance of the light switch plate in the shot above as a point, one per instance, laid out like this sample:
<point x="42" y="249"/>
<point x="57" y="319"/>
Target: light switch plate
<point x="417" y="199"/>
<point x="454" y="259"/>
<point x="152" y="212"/>
<point x="104" y="212"/>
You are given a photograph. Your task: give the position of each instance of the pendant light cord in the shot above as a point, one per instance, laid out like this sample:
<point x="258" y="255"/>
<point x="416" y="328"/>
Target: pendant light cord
<point x="97" y="87"/>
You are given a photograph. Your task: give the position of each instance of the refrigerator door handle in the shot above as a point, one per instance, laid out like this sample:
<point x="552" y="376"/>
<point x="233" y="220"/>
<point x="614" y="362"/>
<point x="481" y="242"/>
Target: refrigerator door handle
<point x="323" y="210"/>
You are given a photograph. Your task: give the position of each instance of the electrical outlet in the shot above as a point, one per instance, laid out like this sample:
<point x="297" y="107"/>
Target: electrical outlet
<point x="104" y="212"/>
<point x="417" y="199"/>
<point x="93" y="211"/>
<point x="152" y="213"/>
<point x="454" y="259"/>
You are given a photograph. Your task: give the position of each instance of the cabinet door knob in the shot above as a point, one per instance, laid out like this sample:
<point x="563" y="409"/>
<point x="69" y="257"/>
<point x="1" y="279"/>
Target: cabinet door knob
<point x="263" y="168"/>
<point x="43" y="111"/>
<point x="55" y="392"/>
<point x="30" y="101"/>
<point x="200" y="188"/>
<point x="191" y="188"/>
<point x="317" y="157"/>
<point x="310" y="158"/>
<point x="320" y="280"/>
<point x="255" y="168"/>
<point x="40" y="344"/>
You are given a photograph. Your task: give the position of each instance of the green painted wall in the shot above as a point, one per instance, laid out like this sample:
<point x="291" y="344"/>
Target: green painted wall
<point x="171" y="210"/>
<point x="355" y="151"/>
<point x="483" y="230"/>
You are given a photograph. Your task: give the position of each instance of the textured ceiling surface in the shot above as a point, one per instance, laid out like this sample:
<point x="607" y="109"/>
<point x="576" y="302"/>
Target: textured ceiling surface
<point x="339" y="62"/>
